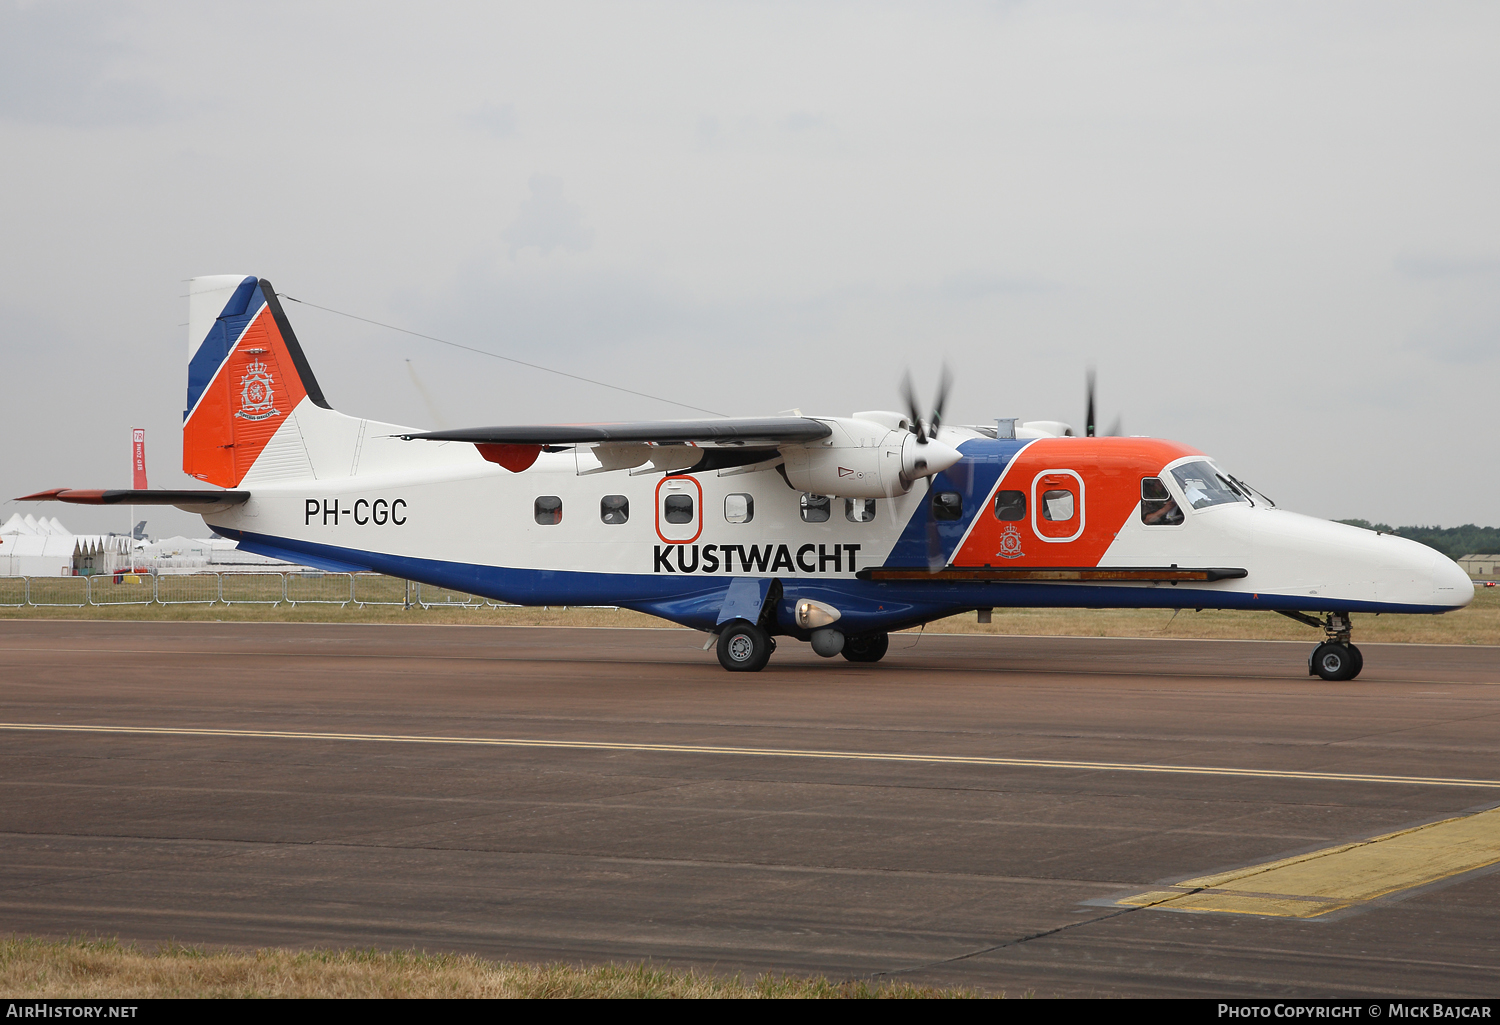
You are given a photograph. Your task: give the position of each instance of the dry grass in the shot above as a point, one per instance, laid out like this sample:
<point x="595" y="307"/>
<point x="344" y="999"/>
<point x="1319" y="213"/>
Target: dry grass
<point x="1477" y="624"/>
<point x="484" y="616"/>
<point x="106" y="969"/>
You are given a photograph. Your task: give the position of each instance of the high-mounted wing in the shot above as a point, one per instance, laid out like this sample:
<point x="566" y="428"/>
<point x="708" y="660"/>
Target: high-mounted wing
<point x="669" y="445"/>
<point x="762" y="431"/>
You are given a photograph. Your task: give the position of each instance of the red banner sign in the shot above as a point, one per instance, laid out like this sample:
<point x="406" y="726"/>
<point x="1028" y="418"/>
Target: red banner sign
<point x="138" y="458"/>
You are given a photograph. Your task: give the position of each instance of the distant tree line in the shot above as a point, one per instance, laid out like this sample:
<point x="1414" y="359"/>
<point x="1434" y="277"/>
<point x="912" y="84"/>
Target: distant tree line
<point x="1453" y="542"/>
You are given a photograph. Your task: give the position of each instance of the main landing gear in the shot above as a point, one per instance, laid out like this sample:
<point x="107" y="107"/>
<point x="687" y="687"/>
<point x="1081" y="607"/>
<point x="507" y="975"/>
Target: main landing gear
<point x="1336" y="658"/>
<point x="745" y="647"/>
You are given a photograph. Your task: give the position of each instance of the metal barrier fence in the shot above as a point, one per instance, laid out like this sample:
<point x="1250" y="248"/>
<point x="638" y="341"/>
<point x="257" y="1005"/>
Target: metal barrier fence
<point x="376" y="589"/>
<point x="320" y="588"/>
<point x="72" y="592"/>
<point x="122" y="589"/>
<point x="430" y="595"/>
<point x="13" y="592"/>
<point x="186" y="589"/>
<point x="310" y="588"/>
<point x="252" y="588"/>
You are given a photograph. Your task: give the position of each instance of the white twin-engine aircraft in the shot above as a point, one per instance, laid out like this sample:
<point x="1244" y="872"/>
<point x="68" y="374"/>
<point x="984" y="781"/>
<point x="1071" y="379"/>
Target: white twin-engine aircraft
<point x="833" y="530"/>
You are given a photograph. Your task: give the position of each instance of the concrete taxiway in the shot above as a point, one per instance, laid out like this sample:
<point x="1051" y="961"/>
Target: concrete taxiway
<point x="1066" y="816"/>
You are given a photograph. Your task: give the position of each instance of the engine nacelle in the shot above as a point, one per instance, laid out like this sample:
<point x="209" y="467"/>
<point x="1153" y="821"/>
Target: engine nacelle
<point x="863" y="459"/>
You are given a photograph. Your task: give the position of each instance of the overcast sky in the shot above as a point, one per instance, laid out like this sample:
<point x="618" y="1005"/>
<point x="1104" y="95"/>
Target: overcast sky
<point x="1274" y="227"/>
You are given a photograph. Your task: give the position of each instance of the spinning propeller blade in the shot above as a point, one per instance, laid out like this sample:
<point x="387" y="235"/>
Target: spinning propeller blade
<point x="1088" y="417"/>
<point x="913" y="416"/>
<point x="944" y="383"/>
<point x="925" y="430"/>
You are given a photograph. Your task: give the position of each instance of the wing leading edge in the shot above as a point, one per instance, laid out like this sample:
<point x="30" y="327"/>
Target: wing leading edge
<point x="759" y="431"/>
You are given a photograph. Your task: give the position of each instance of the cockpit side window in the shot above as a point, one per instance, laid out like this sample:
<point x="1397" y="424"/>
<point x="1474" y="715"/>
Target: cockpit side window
<point x="1158" y="507"/>
<point x="1203" y="485"/>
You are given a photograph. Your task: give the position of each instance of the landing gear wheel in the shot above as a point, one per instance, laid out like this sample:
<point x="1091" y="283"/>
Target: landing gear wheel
<point x="744" y="647"/>
<point x="866" y="647"/>
<point x="1333" y="661"/>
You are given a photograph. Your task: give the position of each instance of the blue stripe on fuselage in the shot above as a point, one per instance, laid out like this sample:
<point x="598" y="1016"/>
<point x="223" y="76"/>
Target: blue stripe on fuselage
<point x="865" y="605"/>
<point x="972" y="477"/>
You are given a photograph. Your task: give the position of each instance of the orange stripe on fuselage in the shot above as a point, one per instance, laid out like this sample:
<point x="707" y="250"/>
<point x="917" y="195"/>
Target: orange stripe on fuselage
<point x="244" y="405"/>
<point x="1111" y="470"/>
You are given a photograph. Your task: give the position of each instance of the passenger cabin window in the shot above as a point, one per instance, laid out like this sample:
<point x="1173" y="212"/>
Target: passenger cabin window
<point x="739" y="508"/>
<point x="1203" y="485"/>
<point x="815" y="508"/>
<point x="614" y="508"/>
<point x="1010" y="506"/>
<point x="1158" y="507"/>
<point x="859" y="510"/>
<point x="548" y="510"/>
<point x="947" y="505"/>
<point x="1058" y="505"/>
<point x="678" y="509"/>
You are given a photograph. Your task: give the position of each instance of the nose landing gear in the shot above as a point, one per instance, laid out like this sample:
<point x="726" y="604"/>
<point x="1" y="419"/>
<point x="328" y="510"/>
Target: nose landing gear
<point x="1336" y="658"/>
<point x="1334" y="661"/>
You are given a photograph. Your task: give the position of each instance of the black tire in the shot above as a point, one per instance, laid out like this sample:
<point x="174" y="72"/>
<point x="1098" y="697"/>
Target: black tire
<point x="744" y="647"/>
<point x="1332" y="661"/>
<point x="866" y="647"/>
<point x="1359" y="662"/>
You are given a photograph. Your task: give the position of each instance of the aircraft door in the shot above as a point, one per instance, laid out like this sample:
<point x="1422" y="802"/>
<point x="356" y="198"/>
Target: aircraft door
<point x="679" y="510"/>
<point x="1057" y="505"/>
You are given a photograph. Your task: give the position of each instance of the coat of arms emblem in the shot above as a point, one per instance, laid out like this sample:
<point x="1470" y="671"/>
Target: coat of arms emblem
<point x="256" y="394"/>
<point x="1010" y="543"/>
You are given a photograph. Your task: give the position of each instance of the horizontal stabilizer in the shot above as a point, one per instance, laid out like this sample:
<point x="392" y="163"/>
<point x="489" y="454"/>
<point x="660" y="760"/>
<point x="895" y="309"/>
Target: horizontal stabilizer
<point x="126" y="497"/>
<point x="753" y="431"/>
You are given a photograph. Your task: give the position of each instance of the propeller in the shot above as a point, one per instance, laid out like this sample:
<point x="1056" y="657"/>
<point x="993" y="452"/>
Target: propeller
<point x="1088" y="417"/>
<point x="926" y="433"/>
<point x="926" y="429"/>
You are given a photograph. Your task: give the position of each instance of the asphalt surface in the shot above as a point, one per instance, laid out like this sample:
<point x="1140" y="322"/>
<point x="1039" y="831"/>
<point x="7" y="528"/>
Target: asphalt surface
<point x="657" y="843"/>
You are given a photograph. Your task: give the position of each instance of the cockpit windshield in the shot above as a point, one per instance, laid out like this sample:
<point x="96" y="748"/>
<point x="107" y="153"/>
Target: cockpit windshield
<point x="1204" y="485"/>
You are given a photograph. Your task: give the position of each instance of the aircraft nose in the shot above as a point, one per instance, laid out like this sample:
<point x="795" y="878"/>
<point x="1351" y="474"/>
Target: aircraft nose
<point x="1451" y="586"/>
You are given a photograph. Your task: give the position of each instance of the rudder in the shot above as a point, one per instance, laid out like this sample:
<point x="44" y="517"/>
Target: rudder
<point x="247" y="375"/>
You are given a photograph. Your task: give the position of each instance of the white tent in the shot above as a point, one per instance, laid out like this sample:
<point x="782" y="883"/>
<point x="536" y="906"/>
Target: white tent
<point x="31" y="547"/>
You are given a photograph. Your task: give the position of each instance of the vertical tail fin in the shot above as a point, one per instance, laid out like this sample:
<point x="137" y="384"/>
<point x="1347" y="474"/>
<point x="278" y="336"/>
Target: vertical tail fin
<point x="247" y="376"/>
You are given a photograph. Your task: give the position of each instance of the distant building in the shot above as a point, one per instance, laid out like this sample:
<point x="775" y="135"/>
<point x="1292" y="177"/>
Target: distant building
<point x="203" y="555"/>
<point x="1480" y="567"/>
<point x="31" y="547"/>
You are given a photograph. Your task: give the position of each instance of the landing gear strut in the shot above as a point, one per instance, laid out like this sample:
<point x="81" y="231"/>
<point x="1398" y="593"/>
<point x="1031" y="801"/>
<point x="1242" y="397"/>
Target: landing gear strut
<point x="1336" y="658"/>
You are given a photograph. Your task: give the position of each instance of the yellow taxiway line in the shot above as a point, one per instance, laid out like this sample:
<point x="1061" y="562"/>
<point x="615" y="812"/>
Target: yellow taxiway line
<point x="763" y="752"/>
<point x="1342" y="877"/>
